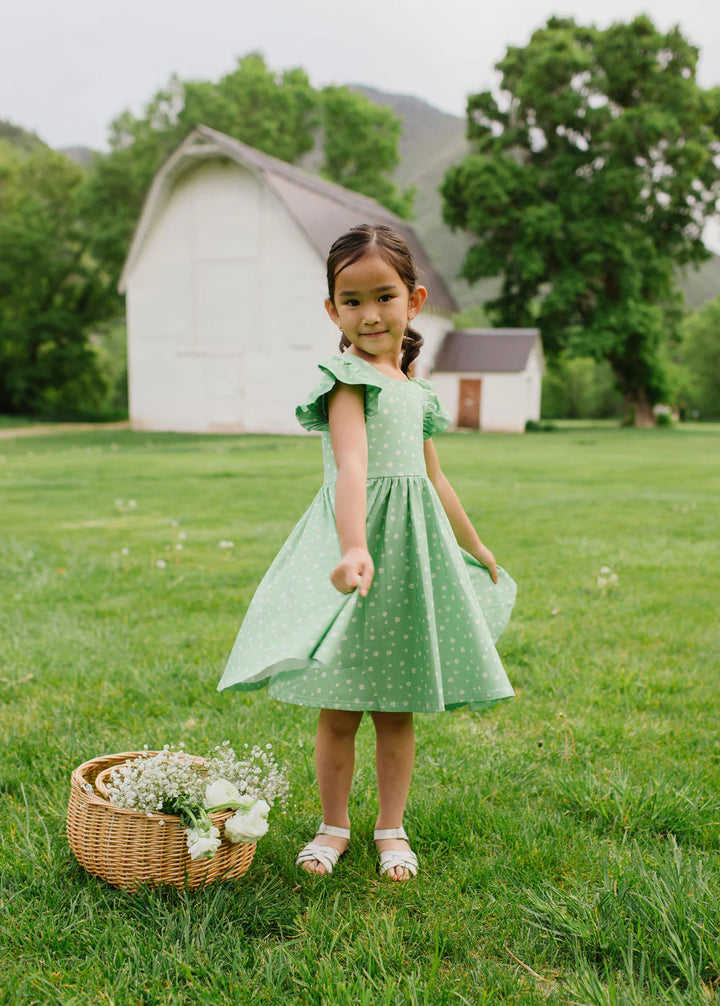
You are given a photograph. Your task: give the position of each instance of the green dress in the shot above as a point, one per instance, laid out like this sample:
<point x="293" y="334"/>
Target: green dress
<point x="423" y="638"/>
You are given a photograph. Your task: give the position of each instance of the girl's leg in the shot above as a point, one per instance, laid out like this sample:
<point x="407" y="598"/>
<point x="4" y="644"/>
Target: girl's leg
<point x="335" y="764"/>
<point x="394" y="757"/>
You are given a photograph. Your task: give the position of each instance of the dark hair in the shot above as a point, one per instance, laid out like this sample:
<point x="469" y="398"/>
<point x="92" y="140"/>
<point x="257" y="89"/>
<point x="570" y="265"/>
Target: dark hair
<point x="393" y="250"/>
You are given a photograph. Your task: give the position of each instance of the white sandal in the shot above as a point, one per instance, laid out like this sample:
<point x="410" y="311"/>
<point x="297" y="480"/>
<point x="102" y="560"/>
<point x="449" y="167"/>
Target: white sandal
<point x="326" y="855"/>
<point x="392" y="858"/>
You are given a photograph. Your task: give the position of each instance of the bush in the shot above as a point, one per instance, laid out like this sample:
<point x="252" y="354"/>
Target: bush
<point x="533" y="426"/>
<point x="580" y="388"/>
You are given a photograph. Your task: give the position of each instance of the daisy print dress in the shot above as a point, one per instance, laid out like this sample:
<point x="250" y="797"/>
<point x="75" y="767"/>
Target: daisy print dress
<point x="422" y="640"/>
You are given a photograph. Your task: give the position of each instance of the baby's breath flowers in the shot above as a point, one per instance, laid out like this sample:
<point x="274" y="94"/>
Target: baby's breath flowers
<point x="173" y="782"/>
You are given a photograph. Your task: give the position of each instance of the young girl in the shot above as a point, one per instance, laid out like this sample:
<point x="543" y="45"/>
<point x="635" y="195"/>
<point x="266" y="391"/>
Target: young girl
<point x="383" y="599"/>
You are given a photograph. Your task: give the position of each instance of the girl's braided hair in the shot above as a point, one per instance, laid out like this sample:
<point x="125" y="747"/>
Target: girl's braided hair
<point x="393" y="250"/>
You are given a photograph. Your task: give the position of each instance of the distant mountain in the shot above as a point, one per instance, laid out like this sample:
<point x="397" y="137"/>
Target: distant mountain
<point x="703" y="284"/>
<point x="80" y="155"/>
<point x="20" y="138"/>
<point x="433" y="140"/>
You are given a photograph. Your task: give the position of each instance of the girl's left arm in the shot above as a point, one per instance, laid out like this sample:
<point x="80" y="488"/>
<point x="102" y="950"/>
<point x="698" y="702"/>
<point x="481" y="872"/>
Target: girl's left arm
<point x="464" y="532"/>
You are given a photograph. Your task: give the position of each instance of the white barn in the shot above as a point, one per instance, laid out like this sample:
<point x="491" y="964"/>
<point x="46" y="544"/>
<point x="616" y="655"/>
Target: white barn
<point x="225" y="286"/>
<point x="490" y="379"/>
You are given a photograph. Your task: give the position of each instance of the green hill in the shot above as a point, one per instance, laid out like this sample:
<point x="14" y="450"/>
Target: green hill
<point x="431" y="142"/>
<point x="19" y="138"/>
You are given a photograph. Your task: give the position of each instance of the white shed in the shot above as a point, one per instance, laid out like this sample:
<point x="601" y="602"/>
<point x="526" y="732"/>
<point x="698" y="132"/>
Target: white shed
<point x="491" y="378"/>
<point x="225" y="282"/>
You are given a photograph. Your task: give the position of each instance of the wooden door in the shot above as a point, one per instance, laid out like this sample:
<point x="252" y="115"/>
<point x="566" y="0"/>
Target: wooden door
<point x="469" y="404"/>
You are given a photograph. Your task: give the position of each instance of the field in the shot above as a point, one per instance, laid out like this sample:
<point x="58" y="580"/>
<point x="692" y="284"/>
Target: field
<point x="568" y="839"/>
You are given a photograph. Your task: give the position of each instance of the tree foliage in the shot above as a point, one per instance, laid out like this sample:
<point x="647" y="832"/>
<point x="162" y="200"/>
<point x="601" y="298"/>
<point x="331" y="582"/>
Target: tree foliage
<point x="51" y="289"/>
<point x="279" y="113"/>
<point x="593" y="172"/>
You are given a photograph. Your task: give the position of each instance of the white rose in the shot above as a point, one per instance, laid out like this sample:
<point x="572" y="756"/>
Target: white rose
<point x="248" y="825"/>
<point x="222" y="793"/>
<point x="202" y="845"/>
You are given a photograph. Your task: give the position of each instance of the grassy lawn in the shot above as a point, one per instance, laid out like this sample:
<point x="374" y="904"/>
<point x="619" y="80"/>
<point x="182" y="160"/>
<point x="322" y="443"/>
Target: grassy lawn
<point x="568" y="839"/>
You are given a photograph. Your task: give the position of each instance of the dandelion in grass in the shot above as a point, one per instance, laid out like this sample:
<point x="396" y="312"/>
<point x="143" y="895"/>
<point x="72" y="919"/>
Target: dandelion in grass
<point x="182" y="535"/>
<point x="124" y="551"/>
<point x="226" y="544"/>
<point x="124" y="506"/>
<point x="606" y="579"/>
<point x="179" y="547"/>
<point x="161" y="564"/>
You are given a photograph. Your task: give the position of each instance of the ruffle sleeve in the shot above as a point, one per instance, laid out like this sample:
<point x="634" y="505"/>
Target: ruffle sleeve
<point x="436" y="417"/>
<point x="313" y="414"/>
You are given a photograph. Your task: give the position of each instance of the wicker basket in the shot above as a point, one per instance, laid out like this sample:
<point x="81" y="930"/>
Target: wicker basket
<point x="128" y="848"/>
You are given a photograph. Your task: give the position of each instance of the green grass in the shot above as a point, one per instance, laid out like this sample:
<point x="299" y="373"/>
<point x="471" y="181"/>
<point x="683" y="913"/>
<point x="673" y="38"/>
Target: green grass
<point x="575" y="829"/>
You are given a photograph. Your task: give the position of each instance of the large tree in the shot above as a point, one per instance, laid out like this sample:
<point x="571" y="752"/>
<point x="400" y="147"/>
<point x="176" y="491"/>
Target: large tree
<point x="51" y="289"/>
<point x="279" y="113"/>
<point x="593" y="172"/>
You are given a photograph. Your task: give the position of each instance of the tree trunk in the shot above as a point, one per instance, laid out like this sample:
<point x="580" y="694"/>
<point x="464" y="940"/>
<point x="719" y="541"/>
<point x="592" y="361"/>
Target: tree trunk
<point x="638" y="410"/>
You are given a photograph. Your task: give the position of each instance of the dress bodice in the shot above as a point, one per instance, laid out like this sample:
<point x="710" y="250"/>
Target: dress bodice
<point x="399" y="416"/>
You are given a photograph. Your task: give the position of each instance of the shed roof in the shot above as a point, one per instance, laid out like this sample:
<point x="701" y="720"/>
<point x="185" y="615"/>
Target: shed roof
<point x="322" y="209"/>
<point x="494" y="350"/>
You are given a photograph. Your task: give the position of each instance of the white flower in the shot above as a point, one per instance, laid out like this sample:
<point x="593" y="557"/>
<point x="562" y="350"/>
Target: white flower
<point x="161" y="564"/>
<point x="182" y="535"/>
<point x="601" y="582"/>
<point x="226" y="544"/>
<point x="202" y="845"/>
<point x="605" y="570"/>
<point x="125" y="551"/>
<point x="248" y="825"/>
<point x="178" y="548"/>
<point x="222" y="793"/>
<point x="132" y="504"/>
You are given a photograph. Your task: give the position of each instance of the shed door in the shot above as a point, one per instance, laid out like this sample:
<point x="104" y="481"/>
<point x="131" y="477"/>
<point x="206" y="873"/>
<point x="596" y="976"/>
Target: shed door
<point x="469" y="407"/>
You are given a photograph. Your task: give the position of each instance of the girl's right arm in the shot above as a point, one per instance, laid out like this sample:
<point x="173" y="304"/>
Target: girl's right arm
<point x="346" y="414"/>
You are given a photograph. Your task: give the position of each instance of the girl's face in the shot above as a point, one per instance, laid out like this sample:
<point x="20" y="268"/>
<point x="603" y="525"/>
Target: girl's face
<point x="372" y="306"/>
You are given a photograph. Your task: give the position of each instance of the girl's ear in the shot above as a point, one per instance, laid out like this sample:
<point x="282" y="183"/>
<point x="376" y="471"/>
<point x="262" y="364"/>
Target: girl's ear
<point x="416" y="301"/>
<point x="332" y="311"/>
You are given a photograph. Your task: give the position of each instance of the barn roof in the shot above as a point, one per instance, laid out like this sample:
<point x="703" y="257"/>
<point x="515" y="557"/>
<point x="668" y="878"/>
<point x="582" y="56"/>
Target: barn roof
<point x="322" y="209"/>
<point x="495" y="350"/>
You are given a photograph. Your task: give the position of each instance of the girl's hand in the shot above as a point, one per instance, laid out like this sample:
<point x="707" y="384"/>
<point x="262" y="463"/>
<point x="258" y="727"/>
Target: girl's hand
<point x="485" y="556"/>
<point x="354" y="570"/>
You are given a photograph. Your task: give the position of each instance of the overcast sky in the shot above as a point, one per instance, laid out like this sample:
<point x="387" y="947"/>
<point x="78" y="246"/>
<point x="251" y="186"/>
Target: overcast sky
<point x="67" y="67"/>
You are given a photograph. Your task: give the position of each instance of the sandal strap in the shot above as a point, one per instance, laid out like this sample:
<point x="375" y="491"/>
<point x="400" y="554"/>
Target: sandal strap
<point x="330" y="829"/>
<point x="381" y="833"/>
<point x="326" y="855"/>
<point x="405" y="859"/>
